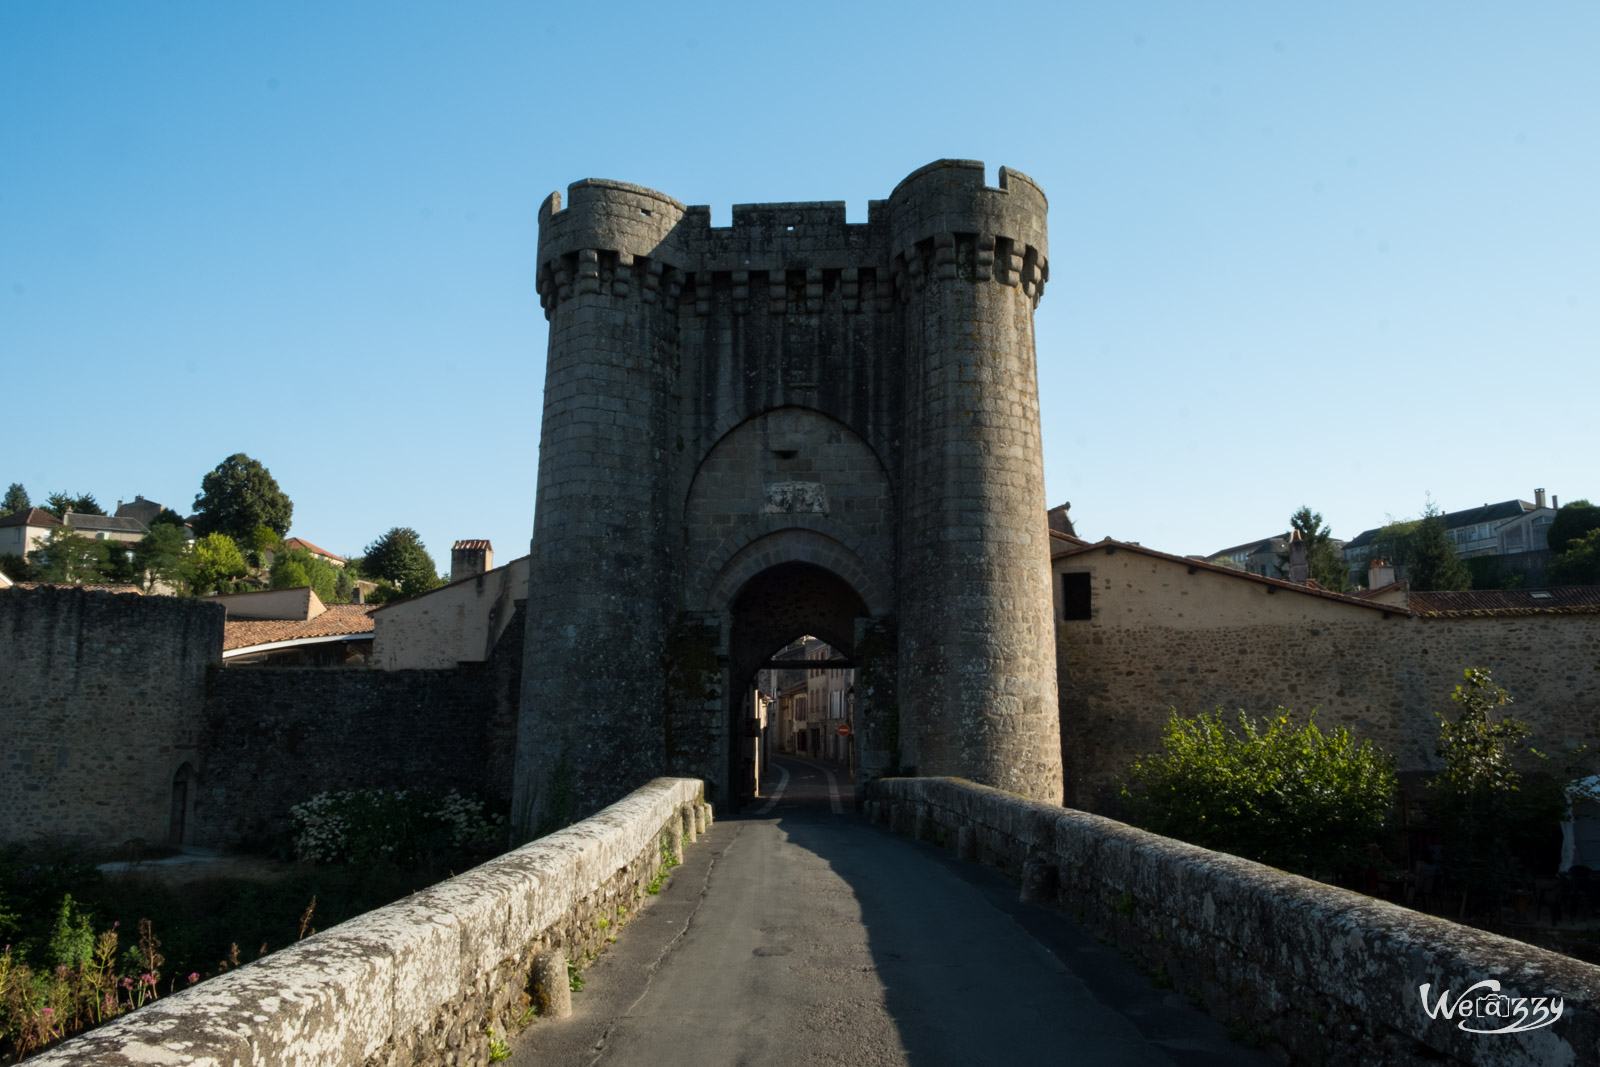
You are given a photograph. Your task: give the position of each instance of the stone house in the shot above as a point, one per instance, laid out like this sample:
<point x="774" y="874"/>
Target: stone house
<point x="22" y="532"/>
<point x="456" y="623"/>
<point x="293" y="628"/>
<point x="1509" y="528"/>
<point x="1141" y="633"/>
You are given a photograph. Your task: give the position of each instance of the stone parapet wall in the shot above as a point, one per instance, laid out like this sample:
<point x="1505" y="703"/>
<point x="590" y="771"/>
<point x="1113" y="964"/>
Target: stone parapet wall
<point x="1317" y="974"/>
<point x="425" y="980"/>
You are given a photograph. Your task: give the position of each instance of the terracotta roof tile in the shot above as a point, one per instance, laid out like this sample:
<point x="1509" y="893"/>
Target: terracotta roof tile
<point x="1562" y="600"/>
<point x="30" y="517"/>
<point x="300" y="542"/>
<point x="339" y="619"/>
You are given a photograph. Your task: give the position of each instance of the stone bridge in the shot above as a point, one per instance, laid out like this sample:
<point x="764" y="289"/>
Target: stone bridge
<point x="886" y="929"/>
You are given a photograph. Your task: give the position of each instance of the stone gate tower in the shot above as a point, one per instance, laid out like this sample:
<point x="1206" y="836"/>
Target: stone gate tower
<point x="791" y="425"/>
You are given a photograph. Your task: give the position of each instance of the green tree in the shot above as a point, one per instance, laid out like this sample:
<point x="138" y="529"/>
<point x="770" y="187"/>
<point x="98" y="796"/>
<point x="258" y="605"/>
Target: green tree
<point x="297" y="567"/>
<point x="400" y="557"/>
<point x="1324" y="564"/>
<point x="70" y="558"/>
<point x="167" y="517"/>
<point x="1434" y="564"/>
<point x="239" y="496"/>
<point x="1395" y="542"/>
<point x="17" y="568"/>
<point x="1269" y="790"/>
<point x="16" y="499"/>
<point x="1580" y="563"/>
<point x="163" y="556"/>
<point x="217" y="560"/>
<point x="1484" y="806"/>
<point x="80" y="503"/>
<point x="1572" y="521"/>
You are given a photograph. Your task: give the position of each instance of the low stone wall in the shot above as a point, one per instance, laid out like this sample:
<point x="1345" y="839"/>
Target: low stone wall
<point x="422" y="981"/>
<point x="1318" y="975"/>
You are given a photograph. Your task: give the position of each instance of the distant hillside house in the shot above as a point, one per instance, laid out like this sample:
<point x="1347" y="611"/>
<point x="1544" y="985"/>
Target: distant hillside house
<point x="1509" y="528"/>
<point x="292" y="543"/>
<point x="106" y="527"/>
<point x="140" y="509"/>
<point x="22" y="532"/>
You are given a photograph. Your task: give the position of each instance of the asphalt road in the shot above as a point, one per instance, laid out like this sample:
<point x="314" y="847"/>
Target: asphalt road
<point x="798" y="933"/>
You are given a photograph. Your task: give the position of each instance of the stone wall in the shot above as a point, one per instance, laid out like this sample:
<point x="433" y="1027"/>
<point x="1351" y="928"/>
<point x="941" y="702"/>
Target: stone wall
<point x="1168" y="633"/>
<point x="427" y="980"/>
<point x="275" y="736"/>
<point x="1316" y="974"/>
<point x="101" y="700"/>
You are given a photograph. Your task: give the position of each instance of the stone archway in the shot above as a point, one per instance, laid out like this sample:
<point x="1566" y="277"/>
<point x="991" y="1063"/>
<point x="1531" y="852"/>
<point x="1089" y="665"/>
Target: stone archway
<point x="784" y="602"/>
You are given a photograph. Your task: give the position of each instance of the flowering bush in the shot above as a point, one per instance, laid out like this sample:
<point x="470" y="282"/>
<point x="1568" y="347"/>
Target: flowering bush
<point x="398" y="826"/>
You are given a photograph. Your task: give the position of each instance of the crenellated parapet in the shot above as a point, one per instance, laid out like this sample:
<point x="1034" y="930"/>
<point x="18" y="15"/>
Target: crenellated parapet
<point x="904" y="345"/>
<point x="940" y="224"/>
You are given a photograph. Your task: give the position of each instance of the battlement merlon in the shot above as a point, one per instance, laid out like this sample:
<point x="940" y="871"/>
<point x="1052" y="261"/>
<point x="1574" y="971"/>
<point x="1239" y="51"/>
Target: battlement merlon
<point x="945" y="197"/>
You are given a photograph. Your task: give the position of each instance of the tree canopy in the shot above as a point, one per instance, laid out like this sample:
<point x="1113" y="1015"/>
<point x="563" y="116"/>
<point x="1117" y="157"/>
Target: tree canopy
<point x="1324" y="563"/>
<point x="217" y="560"/>
<point x="297" y="567"/>
<point x="57" y="504"/>
<point x="166" y="516"/>
<point x="1434" y="564"/>
<point x="16" y="499"/>
<point x="163" y="556"/>
<point x="1580" y="563"/>
<point x="70" y="558"/>
<point x="239" y="496"/>
<point x="399" y="556"/>
<point x="1572" y="521"/>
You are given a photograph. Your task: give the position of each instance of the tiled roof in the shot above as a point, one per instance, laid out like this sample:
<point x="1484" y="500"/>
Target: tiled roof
<point x="470" y="545"/>
<point x="1562" y="600"/>
<point x="93" y="587"/>
<point x="105" y="522"/>
<point x="1068" y="538"/>
<point x="1244" y="576"/>
<point x="337" y="620"/>
<point x="300" y="542"/>
<point x="31" y="517"/>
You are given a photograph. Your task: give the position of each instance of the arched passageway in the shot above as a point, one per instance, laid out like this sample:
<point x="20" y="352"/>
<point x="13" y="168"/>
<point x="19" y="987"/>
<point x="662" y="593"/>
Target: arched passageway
<point x="780" y="605"/>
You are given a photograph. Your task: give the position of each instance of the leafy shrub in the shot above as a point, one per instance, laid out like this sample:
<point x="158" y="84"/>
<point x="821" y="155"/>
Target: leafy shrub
<point x="1290" y="796"/>
<point x="401" y="826"/>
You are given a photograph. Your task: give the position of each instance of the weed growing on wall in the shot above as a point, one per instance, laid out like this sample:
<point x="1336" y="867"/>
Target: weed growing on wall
<point x="1269" y="790"/>
<point x="400" y="826"/>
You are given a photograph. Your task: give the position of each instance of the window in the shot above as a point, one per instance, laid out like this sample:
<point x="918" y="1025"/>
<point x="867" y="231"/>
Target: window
<point x="1075" y="590"/>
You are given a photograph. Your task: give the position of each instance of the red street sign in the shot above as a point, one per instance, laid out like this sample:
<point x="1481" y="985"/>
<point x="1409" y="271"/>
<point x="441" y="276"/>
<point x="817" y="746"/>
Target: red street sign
<point x="844" y="729"/>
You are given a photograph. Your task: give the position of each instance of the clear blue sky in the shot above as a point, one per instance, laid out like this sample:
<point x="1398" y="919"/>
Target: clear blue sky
<point x="1343" y="255"/>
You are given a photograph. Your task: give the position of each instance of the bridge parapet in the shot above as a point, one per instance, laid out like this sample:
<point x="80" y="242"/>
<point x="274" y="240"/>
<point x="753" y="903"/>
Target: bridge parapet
<point x="424" y="980"/>
<point x="1319" y="974"/>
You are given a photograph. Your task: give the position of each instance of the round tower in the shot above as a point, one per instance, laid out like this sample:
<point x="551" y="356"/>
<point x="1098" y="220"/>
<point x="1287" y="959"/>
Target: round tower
<point x="977" y="636"/>
<point x="599" y="588"/>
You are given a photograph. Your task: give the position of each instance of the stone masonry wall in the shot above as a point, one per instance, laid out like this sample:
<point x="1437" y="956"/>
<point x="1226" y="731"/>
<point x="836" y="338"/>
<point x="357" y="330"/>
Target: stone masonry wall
<point x="429" y="980"/>
<point x="1382" y="678"/>
<point x="1319" y="975"/>
<point x="101" y="700"/>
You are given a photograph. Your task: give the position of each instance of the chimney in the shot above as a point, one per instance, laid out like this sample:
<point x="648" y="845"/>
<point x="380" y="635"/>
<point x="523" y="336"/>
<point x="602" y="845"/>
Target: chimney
<point x="359" y="596"/>
<point x="469" y="558"/>
<point x="1379" y="574"/>
<point x="1555" y="502"/>
<point x="1060" y="521"/>
<point x="1538" y="498"/>
<point x="1298" y="572"/>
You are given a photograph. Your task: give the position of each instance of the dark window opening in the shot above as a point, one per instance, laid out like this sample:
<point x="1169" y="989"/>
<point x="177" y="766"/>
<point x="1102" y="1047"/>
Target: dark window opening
<point x="1075" y="588"/>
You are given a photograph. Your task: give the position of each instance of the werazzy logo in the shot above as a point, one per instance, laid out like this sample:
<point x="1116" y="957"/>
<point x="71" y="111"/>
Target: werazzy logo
<point x="1514" y="1014"/>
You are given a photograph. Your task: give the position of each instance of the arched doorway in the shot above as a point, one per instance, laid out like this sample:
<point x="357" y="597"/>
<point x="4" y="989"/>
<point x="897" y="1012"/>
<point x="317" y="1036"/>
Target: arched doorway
<point x="178" y="816"/>
<point x="777" y="606"/>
